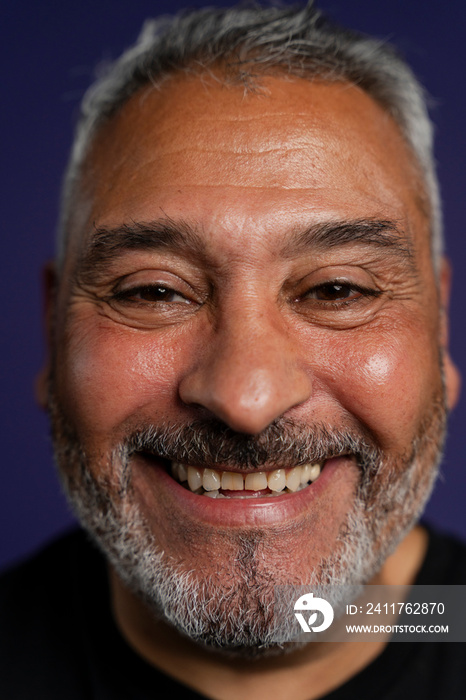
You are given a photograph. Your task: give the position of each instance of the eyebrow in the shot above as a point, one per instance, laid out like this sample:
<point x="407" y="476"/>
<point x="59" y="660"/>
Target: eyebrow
<point x="382" y="233"/>
<point x="108" y="243"/>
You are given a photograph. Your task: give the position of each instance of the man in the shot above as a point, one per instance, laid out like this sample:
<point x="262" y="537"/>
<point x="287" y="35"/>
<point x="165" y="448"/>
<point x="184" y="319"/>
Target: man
<point x="249" y="375"/>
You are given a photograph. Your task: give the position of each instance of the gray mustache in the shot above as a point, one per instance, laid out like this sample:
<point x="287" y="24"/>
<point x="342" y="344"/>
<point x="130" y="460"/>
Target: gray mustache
<point x="284" y="444"/>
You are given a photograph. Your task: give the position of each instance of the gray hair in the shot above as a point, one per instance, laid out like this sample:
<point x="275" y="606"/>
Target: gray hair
<point x="247" y="42"/>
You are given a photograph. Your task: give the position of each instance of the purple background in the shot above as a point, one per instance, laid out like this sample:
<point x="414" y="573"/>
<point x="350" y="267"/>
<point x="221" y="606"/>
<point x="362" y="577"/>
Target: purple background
<point x="48" y="52"/>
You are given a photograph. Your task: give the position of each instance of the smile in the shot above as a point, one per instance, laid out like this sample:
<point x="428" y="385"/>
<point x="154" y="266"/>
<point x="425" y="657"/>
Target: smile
<point x="247" y="497"/>
<point x="229" y="484"/>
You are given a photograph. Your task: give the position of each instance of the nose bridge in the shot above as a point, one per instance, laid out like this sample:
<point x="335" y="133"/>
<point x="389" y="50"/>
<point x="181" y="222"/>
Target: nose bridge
<point x="249" y="373"/>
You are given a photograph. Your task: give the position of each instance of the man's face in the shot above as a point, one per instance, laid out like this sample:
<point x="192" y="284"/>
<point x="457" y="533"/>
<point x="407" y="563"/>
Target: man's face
<point x="252" y="274"/>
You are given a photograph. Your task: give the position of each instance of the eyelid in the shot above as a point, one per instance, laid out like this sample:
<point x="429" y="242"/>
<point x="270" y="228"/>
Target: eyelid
<point x="129" y="294"/>
<point x="340" y="313"/>
<point x="146" y="278"/>
<point x="347" y="284"/>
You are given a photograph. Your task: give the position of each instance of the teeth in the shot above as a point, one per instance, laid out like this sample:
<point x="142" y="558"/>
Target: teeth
<point x="310" y="472"/>
<point x="314" y="472"/>
<point x="232" y="481"/>
<point x="211" y="480"/>
<point x="180" y="471"/>
<point x="277" y="480"/>
<point x="256" y="481"/>
<point x="194" y="478"/>
<point x="208" y="481"/>
<point x="293" y="479"/>
<point x="214" y="494"/>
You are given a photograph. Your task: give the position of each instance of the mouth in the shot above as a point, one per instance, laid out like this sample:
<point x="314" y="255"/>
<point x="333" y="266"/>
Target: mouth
<point x="220" y="496"/>
<point x="216" y="483"/>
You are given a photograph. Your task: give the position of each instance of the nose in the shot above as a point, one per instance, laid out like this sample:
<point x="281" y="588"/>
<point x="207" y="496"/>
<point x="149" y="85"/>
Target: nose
<point x="248" y="374"/>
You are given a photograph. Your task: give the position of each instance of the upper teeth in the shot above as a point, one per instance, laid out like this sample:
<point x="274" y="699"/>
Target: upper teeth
<point x="212" y="480"/>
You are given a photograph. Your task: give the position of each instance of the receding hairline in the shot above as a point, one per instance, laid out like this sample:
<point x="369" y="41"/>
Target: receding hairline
<point x="214" y="77"/>
<point x="252" y="42"/>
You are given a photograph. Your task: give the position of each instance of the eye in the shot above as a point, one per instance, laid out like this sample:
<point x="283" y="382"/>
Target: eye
<point x="151" y="294"/>
<point x="338" y="303"/>
<point x="338" y="293"/>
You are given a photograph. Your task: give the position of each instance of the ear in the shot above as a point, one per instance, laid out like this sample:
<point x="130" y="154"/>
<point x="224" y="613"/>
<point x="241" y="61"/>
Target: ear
<point x="49" y="286"/>
<point x="452" y="375"/>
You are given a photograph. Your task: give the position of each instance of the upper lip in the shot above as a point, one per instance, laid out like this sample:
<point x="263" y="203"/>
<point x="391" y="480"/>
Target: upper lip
<point x="241" y="469"/>
<point x="247" y="470"/>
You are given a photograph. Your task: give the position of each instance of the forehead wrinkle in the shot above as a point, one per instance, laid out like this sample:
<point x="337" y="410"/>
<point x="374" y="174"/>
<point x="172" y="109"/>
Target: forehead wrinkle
<point x="240" y="150"/>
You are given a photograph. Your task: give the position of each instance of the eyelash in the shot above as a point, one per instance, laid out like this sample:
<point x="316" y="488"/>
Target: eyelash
<point x="127" y="295"/>
<point x="364" y="292"/>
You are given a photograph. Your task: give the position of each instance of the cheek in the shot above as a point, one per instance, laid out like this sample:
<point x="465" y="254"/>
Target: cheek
<point x="388" y="385"/>
<point x="109" y="375"/>
<point x="378" y="368"/>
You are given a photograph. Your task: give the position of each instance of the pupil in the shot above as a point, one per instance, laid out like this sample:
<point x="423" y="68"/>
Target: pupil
<point x="155" y="293"/>
<point x="333" y="291"/>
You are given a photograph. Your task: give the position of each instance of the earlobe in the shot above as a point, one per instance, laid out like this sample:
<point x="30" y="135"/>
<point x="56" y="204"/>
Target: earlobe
<point x="49" y="284"/>
<point x="451" y="373"/>
<point x="452" y="381"/>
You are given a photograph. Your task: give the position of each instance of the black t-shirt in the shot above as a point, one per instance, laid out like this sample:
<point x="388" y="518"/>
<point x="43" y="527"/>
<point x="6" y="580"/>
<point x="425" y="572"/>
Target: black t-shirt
<point x="58" y="640"/>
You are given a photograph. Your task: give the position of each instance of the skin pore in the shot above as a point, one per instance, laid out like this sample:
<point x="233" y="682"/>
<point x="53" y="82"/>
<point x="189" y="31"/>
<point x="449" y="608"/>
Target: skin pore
<point x="248" y="259"/>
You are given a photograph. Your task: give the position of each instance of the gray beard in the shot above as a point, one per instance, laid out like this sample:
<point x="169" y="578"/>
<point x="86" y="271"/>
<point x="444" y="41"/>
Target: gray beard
<point x="237" y="611"/>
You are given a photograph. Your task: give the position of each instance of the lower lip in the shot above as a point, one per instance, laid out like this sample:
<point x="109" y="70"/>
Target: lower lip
<point x="235" y="512"/>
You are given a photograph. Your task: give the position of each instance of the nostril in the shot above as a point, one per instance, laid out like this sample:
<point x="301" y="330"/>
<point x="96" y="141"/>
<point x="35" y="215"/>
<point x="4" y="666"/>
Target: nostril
<point x="248" y="377"/>
<point x="245" y="404"/>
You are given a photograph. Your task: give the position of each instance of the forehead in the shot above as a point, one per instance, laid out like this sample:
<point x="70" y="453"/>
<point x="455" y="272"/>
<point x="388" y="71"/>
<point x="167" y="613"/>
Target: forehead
<point x="296" y="151"/>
